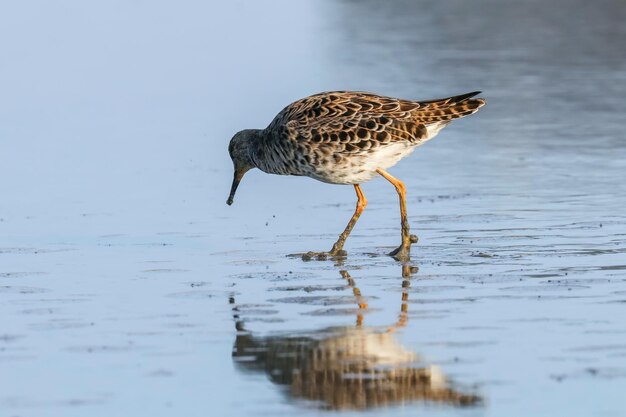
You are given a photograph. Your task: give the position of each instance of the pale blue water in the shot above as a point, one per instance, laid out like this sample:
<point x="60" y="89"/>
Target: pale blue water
<point x="124" y="276"/>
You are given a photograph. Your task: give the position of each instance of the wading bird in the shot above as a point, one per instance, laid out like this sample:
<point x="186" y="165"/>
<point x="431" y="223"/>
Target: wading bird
<point x="346" y="137"/>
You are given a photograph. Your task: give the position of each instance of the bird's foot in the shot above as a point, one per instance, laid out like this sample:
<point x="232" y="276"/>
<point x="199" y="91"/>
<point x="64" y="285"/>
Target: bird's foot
<point x="403" y="252"/>
<point x="323" y="256"/>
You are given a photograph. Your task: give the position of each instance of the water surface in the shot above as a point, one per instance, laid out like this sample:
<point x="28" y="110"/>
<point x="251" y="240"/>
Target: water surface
<point x="128" y="287"/>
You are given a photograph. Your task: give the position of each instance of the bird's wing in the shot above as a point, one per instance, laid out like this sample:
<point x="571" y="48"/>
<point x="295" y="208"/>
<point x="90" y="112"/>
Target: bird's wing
<point x="361" y="120"/>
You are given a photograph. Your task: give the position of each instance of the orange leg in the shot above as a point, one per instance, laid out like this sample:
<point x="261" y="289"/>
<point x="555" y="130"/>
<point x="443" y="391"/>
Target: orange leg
<point x="403" y="252"/>
<point x="360" y="206"/>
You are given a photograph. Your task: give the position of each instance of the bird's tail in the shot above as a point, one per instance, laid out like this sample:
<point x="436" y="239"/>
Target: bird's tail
<point x="450" y="108"/>
<point x="436" y="114"/>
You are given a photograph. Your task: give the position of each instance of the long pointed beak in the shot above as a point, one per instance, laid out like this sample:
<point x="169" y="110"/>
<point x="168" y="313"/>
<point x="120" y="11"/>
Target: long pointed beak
<point x="236" y="180"/>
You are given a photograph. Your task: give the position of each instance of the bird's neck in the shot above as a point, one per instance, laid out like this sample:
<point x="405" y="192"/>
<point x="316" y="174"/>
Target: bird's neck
<point x="256" y="143"/>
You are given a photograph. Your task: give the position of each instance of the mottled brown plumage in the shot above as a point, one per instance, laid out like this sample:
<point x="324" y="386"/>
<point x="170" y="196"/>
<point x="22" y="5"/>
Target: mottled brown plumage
<point x="329" y="136"/>
<point x="344" y="137"/>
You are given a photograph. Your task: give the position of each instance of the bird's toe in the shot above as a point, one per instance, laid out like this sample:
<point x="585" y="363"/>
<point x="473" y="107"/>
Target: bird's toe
<point x="401" y="253"/>
<point x="323" y="256"/>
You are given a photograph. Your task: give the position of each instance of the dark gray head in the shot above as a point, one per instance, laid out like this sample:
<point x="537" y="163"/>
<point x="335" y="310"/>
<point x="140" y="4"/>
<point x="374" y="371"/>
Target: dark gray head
<point x="239" y="150"/>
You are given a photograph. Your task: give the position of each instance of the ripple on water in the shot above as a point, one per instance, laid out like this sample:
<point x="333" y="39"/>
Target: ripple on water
<point x="257" y="312"/>
<point x="32" y="251"/>
<point x="329" y="312"/>
<point x="310" y="288"/>
<point x="274" y="276"/>
<point x="613" y="268"/>
<point x="101" y="348"/>
<point x="19" y="274"/>
<point x="5" y="338"/>
<point x="318" y="300"/>
<point x="544" y="288"/>
<point x="193" y="295"/>
<point x="430" y="288"/>
<point x="463" y="300"/>
<point x="592" y="372"/>
<point x="253" y="262"/>
<point x="21" y="290"/>
<point x="588" y="281"/>
<point x="42" y="311"/>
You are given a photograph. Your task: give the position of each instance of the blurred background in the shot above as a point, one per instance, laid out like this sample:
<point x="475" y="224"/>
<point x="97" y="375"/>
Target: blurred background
<point x="120" y="263"/>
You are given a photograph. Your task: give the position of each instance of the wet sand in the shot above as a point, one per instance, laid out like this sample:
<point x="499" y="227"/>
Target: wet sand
<point x="128" y="287"/>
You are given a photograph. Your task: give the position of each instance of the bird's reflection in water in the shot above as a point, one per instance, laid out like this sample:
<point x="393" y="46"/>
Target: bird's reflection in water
<point x="355" y="367"/>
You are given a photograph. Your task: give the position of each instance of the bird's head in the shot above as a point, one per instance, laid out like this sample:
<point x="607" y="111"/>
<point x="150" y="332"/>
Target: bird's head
<point x="239" y="150"/>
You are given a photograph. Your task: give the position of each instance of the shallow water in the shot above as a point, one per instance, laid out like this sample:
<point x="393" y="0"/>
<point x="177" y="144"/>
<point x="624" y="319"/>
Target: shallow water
<point x="128" y="287"/>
